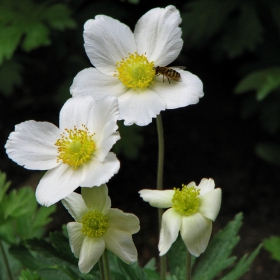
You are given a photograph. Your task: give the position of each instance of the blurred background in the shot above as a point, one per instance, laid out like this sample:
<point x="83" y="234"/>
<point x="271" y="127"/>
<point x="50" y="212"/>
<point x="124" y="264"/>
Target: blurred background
<point x="231" y="135"/>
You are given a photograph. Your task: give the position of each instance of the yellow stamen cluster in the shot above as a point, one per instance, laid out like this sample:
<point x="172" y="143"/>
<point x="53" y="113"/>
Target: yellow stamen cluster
<point x="95" y="224"/>
<point x="75" y="146"/>
<point x="135" y="71"/>
<point x="186" y="201"/>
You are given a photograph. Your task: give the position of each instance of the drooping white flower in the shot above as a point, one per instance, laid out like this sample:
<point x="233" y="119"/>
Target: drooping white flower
<point x="191" y="212"/>
<point x="125" y="65"/>
<point x="98" y="227"/>
<point x="75" y="154"/>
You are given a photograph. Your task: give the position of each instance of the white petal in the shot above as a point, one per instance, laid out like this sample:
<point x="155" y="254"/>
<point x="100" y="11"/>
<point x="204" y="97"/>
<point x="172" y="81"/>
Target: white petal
<point x="206" y="185"/>
<point x="195" y="232"/>
<point x="98" y="173"/>
<point x="117" y="219"/>
<point x="77" y="111"/>
<point x="97" y="198"/>
<point x="157" y="34"/>
<point x="121" y="244"/>
<point x="104" y="125"/>
<point x="160" y="199"/>
<point x="91" y="251"/>
<point x="76" y="237"/>
<point x="75" y="205"/>
<point x="210" y="204"/>
<point x="91" y="81"/>
<point x="179" y="94"/>
<point x="58" y="183"/>
<point x="170" y="226"/>
<point x="32" y="145"/>
<point x="140" y="107"/>
<point x="107" y="41"/>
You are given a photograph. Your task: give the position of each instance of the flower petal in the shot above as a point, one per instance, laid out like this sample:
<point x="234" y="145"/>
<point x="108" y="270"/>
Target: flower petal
<point x="121" y="244"/>
<point x="32" y="145"/>
<point x="195" y="231"/>
<point x="170" y="226"/>
<point x="179" y="94"/>
<point x="91" y="251"/>
<point x="140" y="107"/>
<point x="98" y="173"/>
<point x="91" y="81"/>
<point x="210" y="204"/>
<point x="206" y="185"/>
<point x="107" y="41"/>
<point x="76" y="237"/>
<point x="104" y="125"/>
<point x="75" y="205"/>
<point x="157" y="34"/>
<point x="117" y="219"/>
<point x="77" y="111"/>
<point x="58" y="183"/>
<point x="97" y="198"/>
<point x="160" y="199"/>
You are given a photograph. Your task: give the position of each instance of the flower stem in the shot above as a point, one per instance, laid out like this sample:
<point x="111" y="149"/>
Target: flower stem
<point x="106" y="265"/>
<point x="101" y="268"/>
<point x="160" y="185"/>
<point x="6" y="261"/>
<point x="188" y="266"/>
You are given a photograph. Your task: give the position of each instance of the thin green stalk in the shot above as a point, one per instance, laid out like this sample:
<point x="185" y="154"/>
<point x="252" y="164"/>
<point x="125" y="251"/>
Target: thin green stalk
<point x="101" y="268"/>
<point x="106" y="265"/>
<point x="160" y="185"/>
<point x="6" y="261"/>
<point x="188" y="265"/>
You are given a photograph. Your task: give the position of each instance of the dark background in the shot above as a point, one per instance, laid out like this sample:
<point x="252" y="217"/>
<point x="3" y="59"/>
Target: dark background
<point x="217" y="138"/>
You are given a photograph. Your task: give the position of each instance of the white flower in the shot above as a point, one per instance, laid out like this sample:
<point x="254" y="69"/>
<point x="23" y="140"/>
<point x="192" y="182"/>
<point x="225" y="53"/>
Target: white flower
<point x="98" y="227"/>
<point x="125" y="65"/>
<point x="75" y="154"/>
<point x="192" y="211"/>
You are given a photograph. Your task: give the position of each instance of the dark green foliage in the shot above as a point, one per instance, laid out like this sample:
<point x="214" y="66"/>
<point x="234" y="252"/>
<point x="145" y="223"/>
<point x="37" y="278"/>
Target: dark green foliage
<point x="269" y="152"/>
<point x="272" y="245"/>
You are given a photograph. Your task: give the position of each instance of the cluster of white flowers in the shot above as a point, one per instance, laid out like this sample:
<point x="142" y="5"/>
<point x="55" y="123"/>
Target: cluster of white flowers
<point x="126" y="83"/>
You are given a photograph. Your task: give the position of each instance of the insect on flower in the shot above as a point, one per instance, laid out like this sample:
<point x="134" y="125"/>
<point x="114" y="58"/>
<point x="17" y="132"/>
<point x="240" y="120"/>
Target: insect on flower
<point x="169" y="73"/>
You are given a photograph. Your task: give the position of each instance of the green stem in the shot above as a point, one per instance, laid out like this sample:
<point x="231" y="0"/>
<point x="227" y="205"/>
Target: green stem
<point x="101" y="268"/>
<point x="160" y="185"/>
<point x="106" y="265"/>
<point x="6" y="261"/>
<point x="188" y="265"/>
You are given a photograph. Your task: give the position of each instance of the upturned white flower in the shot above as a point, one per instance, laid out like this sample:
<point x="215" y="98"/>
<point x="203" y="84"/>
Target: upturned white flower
<point x="125" y="64"/>
<point x="192" y="211"/>
<point x="75" y="154"/>
<point x="98" y="227"/>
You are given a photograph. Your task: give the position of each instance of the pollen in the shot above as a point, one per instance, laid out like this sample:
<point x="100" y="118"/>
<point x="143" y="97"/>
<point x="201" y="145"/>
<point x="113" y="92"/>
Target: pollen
<point x="75" y="147"/>
<point x="186" y="201"/>
<point x="135" y="71"/>
<point x="95" y="224"/>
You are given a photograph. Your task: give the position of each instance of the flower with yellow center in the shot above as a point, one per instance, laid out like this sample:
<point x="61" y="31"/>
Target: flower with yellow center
<point x="192" y="210"/>
<point x="97" y="226"/>
<point x="75" y="154"/>
<point x="125" y="65"/>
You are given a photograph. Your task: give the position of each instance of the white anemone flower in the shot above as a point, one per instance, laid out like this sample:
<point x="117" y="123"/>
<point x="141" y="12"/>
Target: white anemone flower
<point x="191" y="212"/>
<point x="98" y="227"/>
<point x="126" y="65"/>
<point x="75" y="154"/>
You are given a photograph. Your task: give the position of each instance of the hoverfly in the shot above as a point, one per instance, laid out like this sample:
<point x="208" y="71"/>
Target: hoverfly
<point x="169" y="73"/>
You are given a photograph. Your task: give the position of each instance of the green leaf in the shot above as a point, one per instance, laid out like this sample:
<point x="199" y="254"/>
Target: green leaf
<point x="4" y="185"/>
<point x="269" y="152"/>
<point x="196" y="28"/>
<point x="150" y="270"/>
<point x="216" y="257"/>
<point x="10" y="76"/>
<point x="244" y="32"/>
<point x="262" y="81"/>
<point x="242" y="266"/>
<point x="28" y="275"/>
<point x="272" y="245"/>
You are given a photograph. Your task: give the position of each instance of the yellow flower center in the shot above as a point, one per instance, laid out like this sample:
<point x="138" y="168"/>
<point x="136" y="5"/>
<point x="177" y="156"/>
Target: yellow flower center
<point x="75" y="146"/>
<point x="135" y="71"/>
<point x="186" y="201"/>
<point x="95" y="224"/>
